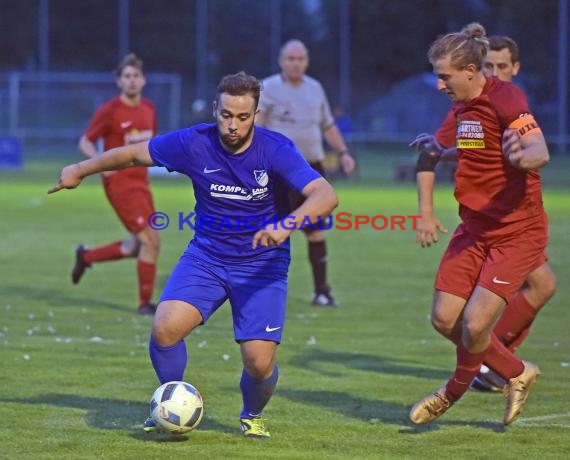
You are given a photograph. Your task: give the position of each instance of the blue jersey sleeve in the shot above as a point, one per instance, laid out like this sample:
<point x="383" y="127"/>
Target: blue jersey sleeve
<point x="289" y="164"/>
<point x="168" y="150"/>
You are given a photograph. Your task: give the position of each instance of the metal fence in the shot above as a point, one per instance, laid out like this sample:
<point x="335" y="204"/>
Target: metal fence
<point x="55" y="107"/>
<point x="50" y="110"/>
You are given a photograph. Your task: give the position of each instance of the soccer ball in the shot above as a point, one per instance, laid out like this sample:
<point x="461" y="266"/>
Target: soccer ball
<point x="176" y="407"/>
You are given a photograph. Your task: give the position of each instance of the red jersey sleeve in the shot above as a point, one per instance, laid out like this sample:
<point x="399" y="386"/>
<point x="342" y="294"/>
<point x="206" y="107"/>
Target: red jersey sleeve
<point x="510" y="102"/>
<point x="447" y="131"/>
<point x="100" y="122"/>
<point x="152" y="110"/>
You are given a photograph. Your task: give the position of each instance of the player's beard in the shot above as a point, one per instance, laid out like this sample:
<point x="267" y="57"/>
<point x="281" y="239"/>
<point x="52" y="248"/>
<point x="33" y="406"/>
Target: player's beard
<point x="132" y="93"/>
<point x="233" y="144"/>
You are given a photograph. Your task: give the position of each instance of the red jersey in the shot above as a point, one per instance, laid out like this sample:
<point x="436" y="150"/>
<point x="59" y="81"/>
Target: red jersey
<point x="485" y="182"/>
<point x="119" y="124"/>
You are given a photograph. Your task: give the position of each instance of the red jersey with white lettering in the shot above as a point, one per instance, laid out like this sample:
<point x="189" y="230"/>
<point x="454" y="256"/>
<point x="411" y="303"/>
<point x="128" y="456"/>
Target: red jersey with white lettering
<point x="485" y="182"/>
<point x="119" y="124"/>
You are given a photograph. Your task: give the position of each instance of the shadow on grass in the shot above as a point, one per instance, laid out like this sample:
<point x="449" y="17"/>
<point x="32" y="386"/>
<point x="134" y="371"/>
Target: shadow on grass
<point x="377" y="411"/>
<point x="57" y="299"/>
<point x="311" y="359"/>
<point x="497" y="427"/>
<point x="348" y="405"/>
<point x="115" y="414"/>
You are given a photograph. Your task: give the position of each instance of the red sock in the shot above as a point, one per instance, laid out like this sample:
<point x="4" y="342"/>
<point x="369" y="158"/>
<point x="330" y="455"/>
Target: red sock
<point x="467" y="367"/>
<point x="147" y="274"/>
<point x="515" y="344"/>
<point x="515" y="320"/>
<point x="502" y="361"/>
<point x="110" y="251"/>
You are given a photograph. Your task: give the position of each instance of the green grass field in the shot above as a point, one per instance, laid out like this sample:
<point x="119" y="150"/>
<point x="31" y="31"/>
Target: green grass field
<point x="75" y="376"/>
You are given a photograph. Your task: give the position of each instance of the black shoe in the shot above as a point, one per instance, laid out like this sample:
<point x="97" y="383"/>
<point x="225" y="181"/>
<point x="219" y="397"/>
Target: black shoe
<point x="80" y="264"/>
<point x="147" y="309"/>
<point x="323" y="300"/>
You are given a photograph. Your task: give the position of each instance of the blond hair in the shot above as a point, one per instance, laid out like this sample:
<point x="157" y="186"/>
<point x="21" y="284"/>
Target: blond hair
<point x="469" y="46"/>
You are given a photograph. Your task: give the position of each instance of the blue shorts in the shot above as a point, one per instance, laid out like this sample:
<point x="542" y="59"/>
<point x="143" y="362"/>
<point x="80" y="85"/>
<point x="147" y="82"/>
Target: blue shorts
<point x="256" y="289"/>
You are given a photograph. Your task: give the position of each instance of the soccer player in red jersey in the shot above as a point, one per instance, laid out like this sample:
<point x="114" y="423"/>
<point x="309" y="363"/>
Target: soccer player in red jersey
<point x="502" y="61"/>
<point x="503" y="233"/>
<point x="126" y="119"/>
<point x="513" y="327"/>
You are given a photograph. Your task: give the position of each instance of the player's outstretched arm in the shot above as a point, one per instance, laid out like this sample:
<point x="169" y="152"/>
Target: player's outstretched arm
<point x="114" y="159"/>
<point x="321" y="201"/>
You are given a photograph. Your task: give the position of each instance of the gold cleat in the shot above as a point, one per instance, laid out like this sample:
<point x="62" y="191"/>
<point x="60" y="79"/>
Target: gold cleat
<point x="430" y="408"/>
<point x="517" y="391"/>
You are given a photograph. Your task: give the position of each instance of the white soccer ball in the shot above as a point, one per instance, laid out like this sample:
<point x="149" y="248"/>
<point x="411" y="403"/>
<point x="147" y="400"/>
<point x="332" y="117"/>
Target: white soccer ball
<point x="176" y="407"/>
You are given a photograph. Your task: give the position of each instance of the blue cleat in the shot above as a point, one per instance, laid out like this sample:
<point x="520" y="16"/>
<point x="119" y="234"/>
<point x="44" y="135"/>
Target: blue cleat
<point x="149" y="426"/>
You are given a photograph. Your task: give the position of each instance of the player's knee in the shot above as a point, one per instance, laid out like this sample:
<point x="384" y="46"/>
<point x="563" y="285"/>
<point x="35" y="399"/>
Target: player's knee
<point x="259" y="367"/>
<point x="163" y="334"/>
<point x="541" y="286"/>
<point x="442" y="325"/>
<point x="473" y="330"/>
<point x="153" y="245"/>
<point x="150" y="240"/>
<point x="548" y="287"/>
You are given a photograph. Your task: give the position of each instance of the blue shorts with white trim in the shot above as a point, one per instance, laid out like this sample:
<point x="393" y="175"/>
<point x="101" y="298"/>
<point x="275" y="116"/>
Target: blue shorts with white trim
<point x="256" y="289"/>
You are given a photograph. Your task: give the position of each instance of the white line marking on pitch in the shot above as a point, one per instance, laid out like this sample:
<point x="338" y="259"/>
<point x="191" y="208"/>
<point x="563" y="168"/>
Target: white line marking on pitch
<point x="535" y="421"/>
<point x="544" y="417"/>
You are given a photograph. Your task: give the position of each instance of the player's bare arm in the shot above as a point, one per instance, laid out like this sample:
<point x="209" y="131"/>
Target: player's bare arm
<point x="429" y="226"/>
<point x="320" y="202"/>
<point x="334" y="139"/>
<point x="430" y="153"/>
<point x="87" y="147"/>
<point x="114" y="159"/>
<point x="527" y="152"/>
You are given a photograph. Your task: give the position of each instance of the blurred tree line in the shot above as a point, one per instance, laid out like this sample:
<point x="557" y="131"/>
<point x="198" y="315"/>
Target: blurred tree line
<point x="389" y="38"/>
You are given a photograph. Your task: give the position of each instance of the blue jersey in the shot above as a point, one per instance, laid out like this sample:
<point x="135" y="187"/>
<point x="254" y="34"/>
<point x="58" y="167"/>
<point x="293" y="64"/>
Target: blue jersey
<point x="236" y="194"/>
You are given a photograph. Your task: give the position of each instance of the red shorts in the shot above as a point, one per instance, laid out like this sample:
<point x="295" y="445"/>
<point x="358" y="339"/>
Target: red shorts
<point x="498" y="260"/>
<point x="131" y="200"/>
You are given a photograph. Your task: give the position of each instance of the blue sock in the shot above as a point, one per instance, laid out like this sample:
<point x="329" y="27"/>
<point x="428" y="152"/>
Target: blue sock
<point x="168" y="362"/>
<point x="256" y="394"/>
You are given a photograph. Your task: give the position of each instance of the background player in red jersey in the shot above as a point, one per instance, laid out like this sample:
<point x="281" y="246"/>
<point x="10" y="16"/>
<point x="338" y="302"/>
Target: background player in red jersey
<point x="503" y="231"/>
<point x="126" y="119"/>
<point x="502" y="61"/>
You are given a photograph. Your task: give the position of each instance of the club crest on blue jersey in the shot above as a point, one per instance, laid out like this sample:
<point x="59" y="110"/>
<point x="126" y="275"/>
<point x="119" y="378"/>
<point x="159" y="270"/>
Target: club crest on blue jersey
<point x="261" y="177"/>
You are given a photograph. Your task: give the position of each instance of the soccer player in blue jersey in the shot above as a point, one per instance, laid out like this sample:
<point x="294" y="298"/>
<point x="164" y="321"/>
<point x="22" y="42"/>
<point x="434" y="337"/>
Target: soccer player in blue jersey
<point x="240" y="251"/>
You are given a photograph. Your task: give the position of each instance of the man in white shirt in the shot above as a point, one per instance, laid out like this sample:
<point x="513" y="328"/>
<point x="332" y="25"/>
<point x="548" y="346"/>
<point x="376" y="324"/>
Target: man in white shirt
<point x="296" y="105"/>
